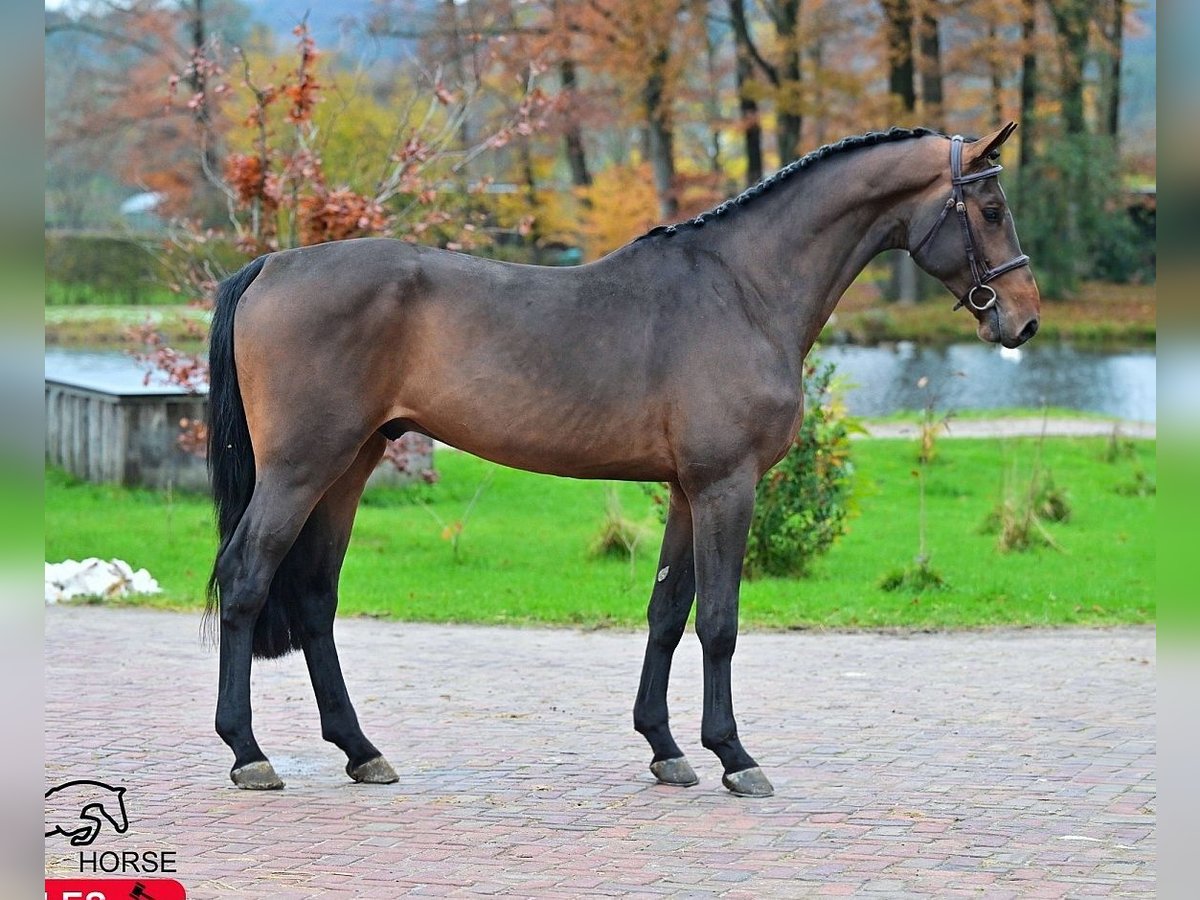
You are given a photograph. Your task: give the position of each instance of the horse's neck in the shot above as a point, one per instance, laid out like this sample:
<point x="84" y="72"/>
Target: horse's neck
<point x="811" y="236"/>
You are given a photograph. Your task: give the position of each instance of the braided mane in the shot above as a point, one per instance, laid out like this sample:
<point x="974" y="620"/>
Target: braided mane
<point x="870" y="139"/>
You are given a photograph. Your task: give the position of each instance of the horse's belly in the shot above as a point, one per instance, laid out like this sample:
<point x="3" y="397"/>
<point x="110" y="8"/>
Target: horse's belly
<point x="555" y="441"/>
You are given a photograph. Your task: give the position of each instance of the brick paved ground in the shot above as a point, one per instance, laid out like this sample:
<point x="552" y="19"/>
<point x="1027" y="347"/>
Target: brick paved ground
<point x="984" y="764"/>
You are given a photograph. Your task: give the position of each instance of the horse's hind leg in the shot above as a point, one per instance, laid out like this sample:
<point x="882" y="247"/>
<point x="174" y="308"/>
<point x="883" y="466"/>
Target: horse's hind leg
<point x="670" y="603"/>
<point x="327" y="534"/>
<point x="284" y="496"/>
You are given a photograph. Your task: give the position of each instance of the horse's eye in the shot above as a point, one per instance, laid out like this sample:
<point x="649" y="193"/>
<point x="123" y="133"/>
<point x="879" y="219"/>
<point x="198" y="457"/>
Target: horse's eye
<point x="993" y="213"/>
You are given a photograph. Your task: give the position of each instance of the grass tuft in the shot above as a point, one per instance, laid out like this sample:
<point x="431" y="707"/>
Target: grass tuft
<point x="919" y="578"/>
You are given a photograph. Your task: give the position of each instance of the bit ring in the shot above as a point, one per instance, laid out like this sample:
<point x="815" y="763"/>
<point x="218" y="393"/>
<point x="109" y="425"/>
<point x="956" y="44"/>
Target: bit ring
<point x="991" y="301"/>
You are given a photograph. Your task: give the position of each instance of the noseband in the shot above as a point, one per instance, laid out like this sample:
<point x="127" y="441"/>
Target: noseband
<point x="980" y="273"/>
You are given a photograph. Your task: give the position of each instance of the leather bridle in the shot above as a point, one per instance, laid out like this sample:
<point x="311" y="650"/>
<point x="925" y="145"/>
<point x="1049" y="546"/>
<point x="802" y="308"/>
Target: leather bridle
<point x="981" y="274"/>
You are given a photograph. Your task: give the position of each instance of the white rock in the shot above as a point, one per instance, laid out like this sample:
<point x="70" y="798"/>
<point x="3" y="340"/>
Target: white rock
<point x="96" y="578"/>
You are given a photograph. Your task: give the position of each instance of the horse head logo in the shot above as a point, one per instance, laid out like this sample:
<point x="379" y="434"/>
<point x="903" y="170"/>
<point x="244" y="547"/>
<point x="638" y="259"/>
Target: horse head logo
<point x="78" y="810"/>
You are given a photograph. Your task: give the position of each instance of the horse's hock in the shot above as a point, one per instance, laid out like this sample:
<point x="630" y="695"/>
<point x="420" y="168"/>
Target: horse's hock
<point x="131" y="437"/>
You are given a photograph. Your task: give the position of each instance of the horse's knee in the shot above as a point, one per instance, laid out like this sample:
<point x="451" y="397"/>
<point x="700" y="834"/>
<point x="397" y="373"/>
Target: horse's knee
<point x="667" y="618"/>
<point x="666" y="635"/>
<point x="717" y="632"/>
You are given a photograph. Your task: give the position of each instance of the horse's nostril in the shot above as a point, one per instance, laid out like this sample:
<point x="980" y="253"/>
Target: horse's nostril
<point x="1028" y="331"/>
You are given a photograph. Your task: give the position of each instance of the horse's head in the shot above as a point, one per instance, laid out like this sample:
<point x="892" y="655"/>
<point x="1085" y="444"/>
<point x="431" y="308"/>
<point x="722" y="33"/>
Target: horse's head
<point x="962" y="233"/>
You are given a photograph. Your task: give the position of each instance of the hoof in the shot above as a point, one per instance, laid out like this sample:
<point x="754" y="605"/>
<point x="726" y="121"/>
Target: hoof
<point x="256" y="776"/>
<point x="677" y="772"/>
<point x="748" y="783"/>
<point x="373" y="771"/>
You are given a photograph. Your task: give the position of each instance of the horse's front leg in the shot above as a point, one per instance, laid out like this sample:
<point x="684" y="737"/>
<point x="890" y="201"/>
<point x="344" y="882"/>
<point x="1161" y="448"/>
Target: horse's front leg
<point x="670" y="603"/>
<point x="721" y="514"/>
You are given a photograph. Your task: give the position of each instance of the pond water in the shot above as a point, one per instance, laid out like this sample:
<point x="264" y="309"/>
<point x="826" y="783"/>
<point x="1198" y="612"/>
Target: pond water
<point x="883" y="380"/>
<point x="880" y="380"/>
<point x="111" y="371"/>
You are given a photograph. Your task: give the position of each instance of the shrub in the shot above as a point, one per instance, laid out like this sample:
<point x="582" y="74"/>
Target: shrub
<point x="803" y="503"/>
<point x="83" y="267"/>
<point x="1075" y="220"/>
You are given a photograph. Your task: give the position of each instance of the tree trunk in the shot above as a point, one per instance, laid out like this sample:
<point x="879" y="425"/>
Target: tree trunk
<point x="456" y="60"/>
<point x="1071" y="21"/>
<point x="534" y="238"/>
<point x="899" y="29"/>
<point x="660" y="141"/>
<point x="712" y="96"/>
<point x="208" y="199"/>
<point x="787" y="104"/>
<point x="902" y="86"/>
<point x="930" y="46"/>
<point x="996" y="76"/>
<point x="581" y="176"/>
<point x="747" y="105"/>
<point x="1029" y="88"/>
<point x="1117" y="52"/>
<point x="196" y="79"/>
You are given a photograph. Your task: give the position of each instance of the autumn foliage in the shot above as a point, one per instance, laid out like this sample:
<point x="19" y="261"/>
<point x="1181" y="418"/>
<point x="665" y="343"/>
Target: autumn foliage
<point x="531" y="129"/>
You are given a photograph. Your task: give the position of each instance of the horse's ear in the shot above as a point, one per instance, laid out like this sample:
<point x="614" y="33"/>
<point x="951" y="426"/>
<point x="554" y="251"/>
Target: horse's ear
<point x="976" y="154"/>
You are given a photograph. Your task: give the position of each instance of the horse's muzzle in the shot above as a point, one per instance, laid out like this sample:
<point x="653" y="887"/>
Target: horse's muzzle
<point x="991" y="330"/>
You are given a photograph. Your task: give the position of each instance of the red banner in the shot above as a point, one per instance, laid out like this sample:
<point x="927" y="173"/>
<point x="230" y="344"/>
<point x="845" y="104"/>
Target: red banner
<point x="114" y="889"/>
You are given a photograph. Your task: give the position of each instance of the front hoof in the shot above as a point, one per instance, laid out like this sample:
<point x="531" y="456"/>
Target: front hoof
<point x="257" y="776"/>
<point x="373" y="771"/>
<point x="677" y="772"/>
<point x="748" y="783"/>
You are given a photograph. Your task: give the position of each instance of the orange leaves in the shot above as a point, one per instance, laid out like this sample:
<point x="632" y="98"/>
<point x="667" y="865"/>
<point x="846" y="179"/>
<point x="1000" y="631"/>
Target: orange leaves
<point x="444" y="95"/>
<point x="335" y="215"/>
<point x="303" y="90"/>
<point x="245" y="175"/>
<point x="303" y="94"/>
<point x="414" y="151"/>
<point x="622" y="205"/>
<point x="263" y="98"/>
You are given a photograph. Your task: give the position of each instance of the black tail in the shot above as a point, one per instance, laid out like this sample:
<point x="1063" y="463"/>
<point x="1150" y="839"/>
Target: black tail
<point x="231" y="459"/>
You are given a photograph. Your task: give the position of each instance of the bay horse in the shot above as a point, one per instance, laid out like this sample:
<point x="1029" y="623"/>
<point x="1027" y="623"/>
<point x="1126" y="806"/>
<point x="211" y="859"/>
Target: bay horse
<point x="676" y="358"/>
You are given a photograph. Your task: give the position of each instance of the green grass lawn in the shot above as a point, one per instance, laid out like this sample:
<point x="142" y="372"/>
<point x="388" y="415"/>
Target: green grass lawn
<point x="109" y="326"/>
<point x="523" y="554"/>
<point x="60" y="293"/>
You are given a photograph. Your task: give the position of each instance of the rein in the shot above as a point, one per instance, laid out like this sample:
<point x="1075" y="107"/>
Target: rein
<point x="981" y="274"/>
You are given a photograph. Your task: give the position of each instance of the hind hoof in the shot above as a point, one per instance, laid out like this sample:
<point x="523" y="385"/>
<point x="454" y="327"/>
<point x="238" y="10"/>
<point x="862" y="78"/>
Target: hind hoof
<point x="373" y="771"/>
<point x="257" y="776"/>
<point x="748" y="783"/>
<point x="677" y="772"/>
